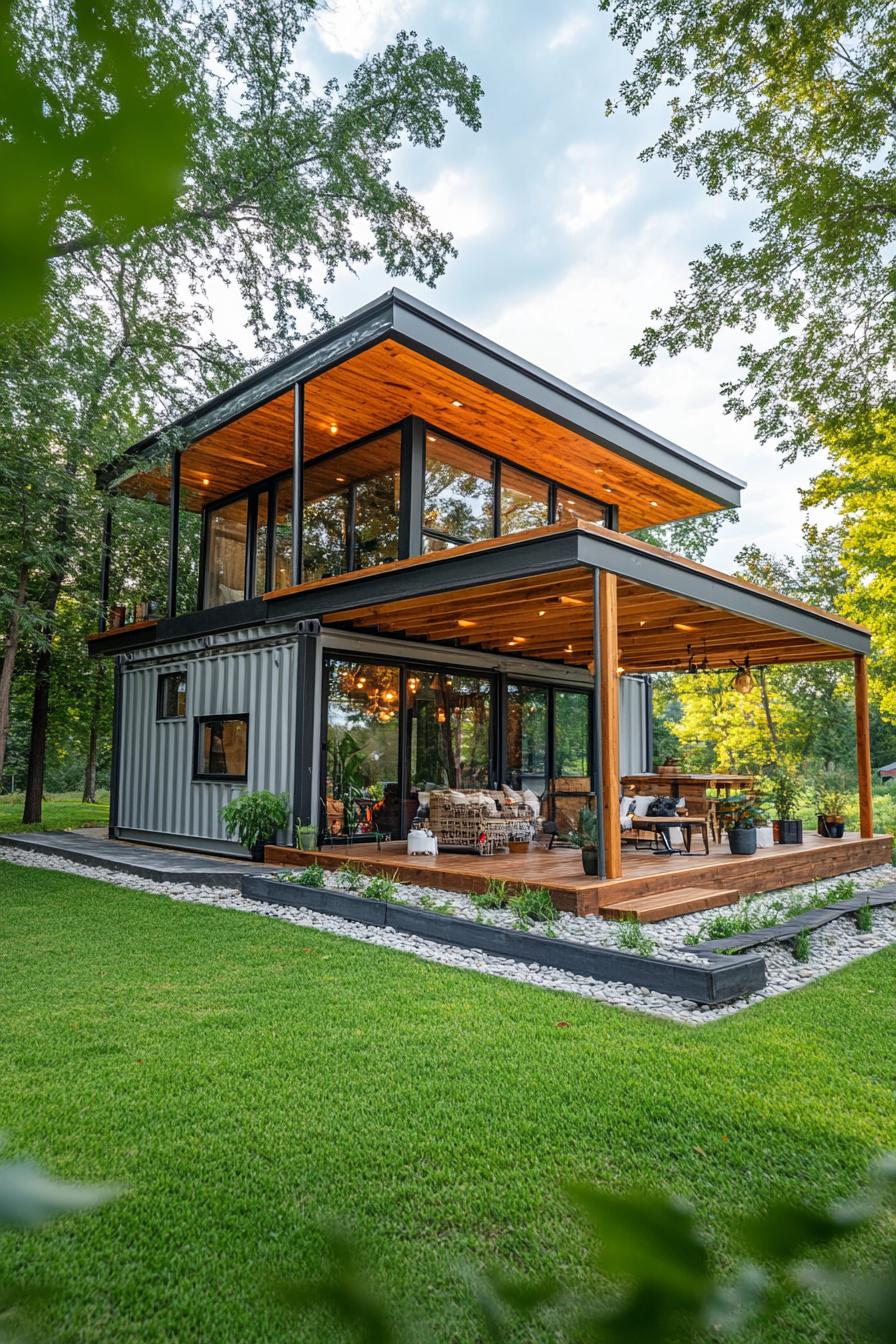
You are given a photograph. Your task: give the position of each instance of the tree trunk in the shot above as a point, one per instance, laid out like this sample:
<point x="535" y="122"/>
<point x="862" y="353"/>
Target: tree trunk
<point x="89" y="794"/>
<point x="8" y="666"/>
<point x="37" y="747"/>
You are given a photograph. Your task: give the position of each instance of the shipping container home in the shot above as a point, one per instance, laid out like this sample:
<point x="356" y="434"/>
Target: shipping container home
<point x="399" y="560"/>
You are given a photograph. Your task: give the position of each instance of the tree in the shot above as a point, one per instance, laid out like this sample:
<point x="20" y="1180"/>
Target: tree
<point x="283" y="184"/>
<point x="791" y="107"/>
<point x="691" y="537"/>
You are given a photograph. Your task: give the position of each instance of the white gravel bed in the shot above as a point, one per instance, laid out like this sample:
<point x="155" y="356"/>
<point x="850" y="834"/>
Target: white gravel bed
<point x="831" y="947"/>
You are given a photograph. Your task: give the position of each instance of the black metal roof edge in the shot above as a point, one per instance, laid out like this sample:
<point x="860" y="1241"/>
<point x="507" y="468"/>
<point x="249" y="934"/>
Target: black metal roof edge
<point x="718" y="590"/>
<point x="670" y="459"/>
<point x="500" y="353"/>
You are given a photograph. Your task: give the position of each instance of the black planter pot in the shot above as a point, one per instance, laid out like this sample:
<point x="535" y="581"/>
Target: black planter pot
<point x="790" y="832"/>
<point x="589" y="862"/>
<point x="836" y="829"/>
<point x="742" y="840"/>
<point x="257" y="851"/>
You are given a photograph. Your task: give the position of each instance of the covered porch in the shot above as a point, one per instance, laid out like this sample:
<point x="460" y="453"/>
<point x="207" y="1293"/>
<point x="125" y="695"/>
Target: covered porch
<point x="607" y="605"/>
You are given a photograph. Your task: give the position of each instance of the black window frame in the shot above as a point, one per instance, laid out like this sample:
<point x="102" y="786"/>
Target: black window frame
<point x="203" y="777"/>
<point x="161" y="716"/>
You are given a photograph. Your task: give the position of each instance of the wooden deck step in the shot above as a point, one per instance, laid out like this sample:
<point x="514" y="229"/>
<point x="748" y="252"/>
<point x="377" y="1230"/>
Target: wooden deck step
<point x="649" y="909"/>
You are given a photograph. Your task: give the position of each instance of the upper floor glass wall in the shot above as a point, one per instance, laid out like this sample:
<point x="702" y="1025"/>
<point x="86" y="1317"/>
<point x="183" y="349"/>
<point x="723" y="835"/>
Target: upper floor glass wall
<point x="351" y="513"/>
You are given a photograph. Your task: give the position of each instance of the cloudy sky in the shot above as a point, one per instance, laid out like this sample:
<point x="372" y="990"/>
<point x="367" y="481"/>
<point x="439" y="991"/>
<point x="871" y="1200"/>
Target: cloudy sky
<point x="565" y="241"/>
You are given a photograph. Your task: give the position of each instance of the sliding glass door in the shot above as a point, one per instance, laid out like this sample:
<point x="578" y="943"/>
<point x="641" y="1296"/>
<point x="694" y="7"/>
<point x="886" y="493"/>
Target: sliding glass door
<point x="548" y="747"/>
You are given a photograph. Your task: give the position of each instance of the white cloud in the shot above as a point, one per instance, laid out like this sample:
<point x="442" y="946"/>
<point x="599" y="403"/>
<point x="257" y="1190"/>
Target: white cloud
<point x="356" y="27"/>
<point x="459" y="202"/>
<point x="569" y="30"/>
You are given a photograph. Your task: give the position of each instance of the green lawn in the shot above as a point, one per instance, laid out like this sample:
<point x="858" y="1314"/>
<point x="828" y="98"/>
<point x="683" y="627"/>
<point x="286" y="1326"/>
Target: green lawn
<point x="61" y="812"/>
<point x="245" y="1079"/>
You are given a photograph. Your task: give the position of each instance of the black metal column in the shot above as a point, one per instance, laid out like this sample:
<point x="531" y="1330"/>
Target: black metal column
<point x="105" y="562"/>
<point x="413" y="471"/>
<point x="298" y="466"/>
<point x="174" y="533"/>
<point x="648" y="724"/>
<point x="115" y="768"/>
<point x="307" y="716"/>
<point x="597" y="778"/>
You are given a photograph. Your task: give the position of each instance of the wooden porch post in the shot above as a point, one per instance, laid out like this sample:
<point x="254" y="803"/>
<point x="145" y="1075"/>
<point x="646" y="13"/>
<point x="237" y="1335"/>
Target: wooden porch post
<point x="607" y="663"/>
<point x="863" y="748"/>
<point x="298" y="469"/>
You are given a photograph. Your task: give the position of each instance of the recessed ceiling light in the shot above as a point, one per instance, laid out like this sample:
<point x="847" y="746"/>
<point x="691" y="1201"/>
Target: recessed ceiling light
<point x="568" y="601"/>
<point x="457" y="403"/>
<point x="653" y="504"/>
<point x="334" y="429"/>
<point x="568" y="648"/>
<point x="680" y="625"/>
<point x="466" y="624"/>
<point x="341" y="479"/>
<point x="542" y="612"/>
<point x="205" y="480"/>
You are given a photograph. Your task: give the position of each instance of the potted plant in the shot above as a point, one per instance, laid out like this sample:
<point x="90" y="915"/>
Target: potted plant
<point x="255" y="818"/>
<point x="785" y="792"/>
<point x="740" y="816"/>
<point x="306" y="836"/>
<point x="832" y="805"/>
<point x="585" y="837"/>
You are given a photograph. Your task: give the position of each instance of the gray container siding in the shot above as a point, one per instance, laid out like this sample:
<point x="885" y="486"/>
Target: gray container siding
<point x="158" y="797"/>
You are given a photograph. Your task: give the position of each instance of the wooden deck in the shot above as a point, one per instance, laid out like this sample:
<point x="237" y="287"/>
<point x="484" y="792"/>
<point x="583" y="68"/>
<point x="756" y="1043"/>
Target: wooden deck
<point x="643" y="873"/>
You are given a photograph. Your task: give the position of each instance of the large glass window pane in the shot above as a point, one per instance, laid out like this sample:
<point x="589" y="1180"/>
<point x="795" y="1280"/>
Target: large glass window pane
<point x="362" y="791"/>
<point x="572" y="732"/>
<point x="458" y="502"/>
<point x="527" y="737"/>
<point x="376" y="469"/>
<point x="225" y="565"/>
<point x="524" y="501"/>
<point x="261" y="544"/>
<point x="282" y="576"/>
<point x="350" y="513"/>
<point x="573" y="508"/>
<point x="449" y="730"/>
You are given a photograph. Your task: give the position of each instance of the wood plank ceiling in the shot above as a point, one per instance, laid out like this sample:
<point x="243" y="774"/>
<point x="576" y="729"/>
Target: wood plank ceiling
<point x="384" y="384"/>
<point x="550" y="617"/>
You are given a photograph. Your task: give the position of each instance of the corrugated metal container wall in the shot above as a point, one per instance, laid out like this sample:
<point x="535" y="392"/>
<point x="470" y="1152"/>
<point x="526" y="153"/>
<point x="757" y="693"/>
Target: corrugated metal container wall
<point x="634" y="744"/>
<point x="157" y="794"/>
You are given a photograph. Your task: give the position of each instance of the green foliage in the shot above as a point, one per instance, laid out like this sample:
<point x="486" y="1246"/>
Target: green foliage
<point x="255" y="817"/>
<point x="802" y="946"/>
<point x="381" y="887"/>
<point x="865" y="918"/>
<point x="351" y="875"/>
<point x="430" y="903"/>
<point x="495" y="896"/>
<point x="532" y="904"/>
<point x="312" y="876"/>
<point x="631" y="937"/>
<point x="785" y="791"/>
<point x="587" y="833"/>
<point x="738" y="812"/>
<point x="691" y="537"/>
<point x="110" y="154"/>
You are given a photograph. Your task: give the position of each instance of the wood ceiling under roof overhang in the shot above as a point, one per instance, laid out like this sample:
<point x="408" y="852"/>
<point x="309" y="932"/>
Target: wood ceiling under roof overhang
<point x="386" y="383"/>
<point x="550" y="617"/>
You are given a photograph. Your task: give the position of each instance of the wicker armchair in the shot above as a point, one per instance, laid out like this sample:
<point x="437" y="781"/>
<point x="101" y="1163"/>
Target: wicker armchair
<point x="471" y="825"/>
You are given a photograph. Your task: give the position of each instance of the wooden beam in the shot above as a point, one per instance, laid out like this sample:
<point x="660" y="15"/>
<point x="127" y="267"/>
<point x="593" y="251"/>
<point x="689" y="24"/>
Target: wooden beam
<point x="863" y="748"/>
<point x="608" y="703"/>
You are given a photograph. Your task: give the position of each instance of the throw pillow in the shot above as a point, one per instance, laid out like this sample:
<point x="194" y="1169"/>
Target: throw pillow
<point x="642" y="802"/>
<point x="458" y="798"/>
<point x="531" y="801"/>
<point x="511" y="795"/>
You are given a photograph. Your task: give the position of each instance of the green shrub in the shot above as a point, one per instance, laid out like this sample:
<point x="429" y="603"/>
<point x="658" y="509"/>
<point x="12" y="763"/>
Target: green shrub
<point x="351" y="875"/>
<point x="802" y="946"/>
<point x="864" y="917"/>
<point x="495" y="896"/>
<point x="430" y="903"/>
<point x="312" y="876"/>
<point x="381" y="887"/>
<point x="532" y="903"/>
<point x="844" y="890"/>
<point x="631" y="937"/>
<point x="255" y="817"/>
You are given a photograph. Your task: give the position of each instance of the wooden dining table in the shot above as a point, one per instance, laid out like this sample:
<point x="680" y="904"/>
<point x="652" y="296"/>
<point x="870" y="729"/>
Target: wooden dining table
<point x="693" y="788"/>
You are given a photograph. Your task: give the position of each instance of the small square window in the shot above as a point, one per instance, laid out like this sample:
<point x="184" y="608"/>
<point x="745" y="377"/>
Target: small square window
<point x="172" y="701"/>
<point x="222" y="747"/>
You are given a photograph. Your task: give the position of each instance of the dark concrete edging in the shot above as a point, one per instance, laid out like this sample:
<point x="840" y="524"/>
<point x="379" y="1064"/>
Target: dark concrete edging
<point x="806" y="922"/>
<point x="714" y="980"/>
